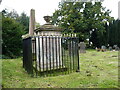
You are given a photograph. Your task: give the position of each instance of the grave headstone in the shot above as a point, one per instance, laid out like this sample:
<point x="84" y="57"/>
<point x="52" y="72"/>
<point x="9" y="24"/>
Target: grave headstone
<point x="114" y="46"/>
<point x="117" y="48"/>
<point x="82" y="46"/>
<point x="110" y="48"/>
<point x="103" y="48"/>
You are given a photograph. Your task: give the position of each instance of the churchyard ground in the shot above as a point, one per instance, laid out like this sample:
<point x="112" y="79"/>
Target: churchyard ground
<point x="97" y="70"/>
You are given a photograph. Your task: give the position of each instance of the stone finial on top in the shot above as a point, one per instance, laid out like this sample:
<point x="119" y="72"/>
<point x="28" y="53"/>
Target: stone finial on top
<point x="47" y="19"/>
<point x="48" y="26"/>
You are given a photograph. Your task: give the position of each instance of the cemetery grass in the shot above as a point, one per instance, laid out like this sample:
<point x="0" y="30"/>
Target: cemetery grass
<point x="97" y="70"/>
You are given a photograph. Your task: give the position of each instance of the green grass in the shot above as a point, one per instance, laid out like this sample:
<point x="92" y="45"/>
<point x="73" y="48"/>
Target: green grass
<point x="97" y="70"/>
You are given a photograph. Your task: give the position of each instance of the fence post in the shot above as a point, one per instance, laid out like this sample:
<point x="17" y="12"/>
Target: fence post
<point x="78" y="70"/>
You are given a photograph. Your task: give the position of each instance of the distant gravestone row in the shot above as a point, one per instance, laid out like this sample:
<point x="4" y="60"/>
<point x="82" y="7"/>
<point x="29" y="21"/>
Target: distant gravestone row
<point x="103" y="48"/>
<point x="114" y="48"/>
<point x="82" y="48"/>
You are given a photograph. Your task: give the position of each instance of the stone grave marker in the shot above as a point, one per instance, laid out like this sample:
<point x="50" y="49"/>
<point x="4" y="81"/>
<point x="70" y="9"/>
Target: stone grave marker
<point x="82" y="46"/>
<point x="114" y="46"/>
<point x="110" y="48"/>
<point x="103" y="48"/>
<point x="117" y="48"/>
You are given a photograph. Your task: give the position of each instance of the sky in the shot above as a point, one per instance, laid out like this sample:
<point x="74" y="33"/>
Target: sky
<point x="47" y="7"/>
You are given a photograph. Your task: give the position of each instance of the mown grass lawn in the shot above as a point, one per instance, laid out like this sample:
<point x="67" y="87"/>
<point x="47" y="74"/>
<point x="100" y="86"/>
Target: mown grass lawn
<point x="97" y="70"/>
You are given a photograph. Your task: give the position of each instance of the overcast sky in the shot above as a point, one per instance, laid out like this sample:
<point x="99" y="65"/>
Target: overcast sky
<point x="47" y="7"/>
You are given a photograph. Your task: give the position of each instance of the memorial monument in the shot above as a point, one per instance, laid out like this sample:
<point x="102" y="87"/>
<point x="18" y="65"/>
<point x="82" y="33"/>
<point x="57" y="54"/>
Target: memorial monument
<point x="82" y="46"/>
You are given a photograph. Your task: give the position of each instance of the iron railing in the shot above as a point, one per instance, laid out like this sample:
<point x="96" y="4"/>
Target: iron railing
<point x="50" y="55"/>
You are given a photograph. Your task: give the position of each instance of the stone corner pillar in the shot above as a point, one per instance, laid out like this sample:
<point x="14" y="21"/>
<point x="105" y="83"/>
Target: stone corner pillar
<point x="32" y="22"/>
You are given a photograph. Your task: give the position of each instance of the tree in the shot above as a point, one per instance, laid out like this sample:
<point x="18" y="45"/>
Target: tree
<point x="23" y="19"/>
<point x="14" y="26"/>
<point x="114" y="33"/>
<point x="12" y="14"/>
<point x="11" y="37"/>
<point x="83" y="18"/>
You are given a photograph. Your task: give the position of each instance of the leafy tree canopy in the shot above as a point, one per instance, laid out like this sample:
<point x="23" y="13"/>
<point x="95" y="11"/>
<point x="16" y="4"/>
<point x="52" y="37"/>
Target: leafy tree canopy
<point x="11" y="37"/>
<point x="82" y="18"/>
<point x="11" y="34"/>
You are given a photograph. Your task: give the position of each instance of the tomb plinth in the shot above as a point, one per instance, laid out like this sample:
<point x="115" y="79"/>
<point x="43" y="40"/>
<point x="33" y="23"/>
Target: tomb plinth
<point x="48" y="46"/>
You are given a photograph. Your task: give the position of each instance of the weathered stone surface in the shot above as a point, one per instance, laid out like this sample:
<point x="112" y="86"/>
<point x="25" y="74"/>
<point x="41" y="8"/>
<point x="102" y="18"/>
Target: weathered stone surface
<point x="82" y="46"/>
<point x="110" y="48"/>
<point x="48" y="28"/>
<point x="32" y="22"/>
<point x="103" y="47"/>
<point x="116" y="48"/>
<point x="50" y="47"/>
